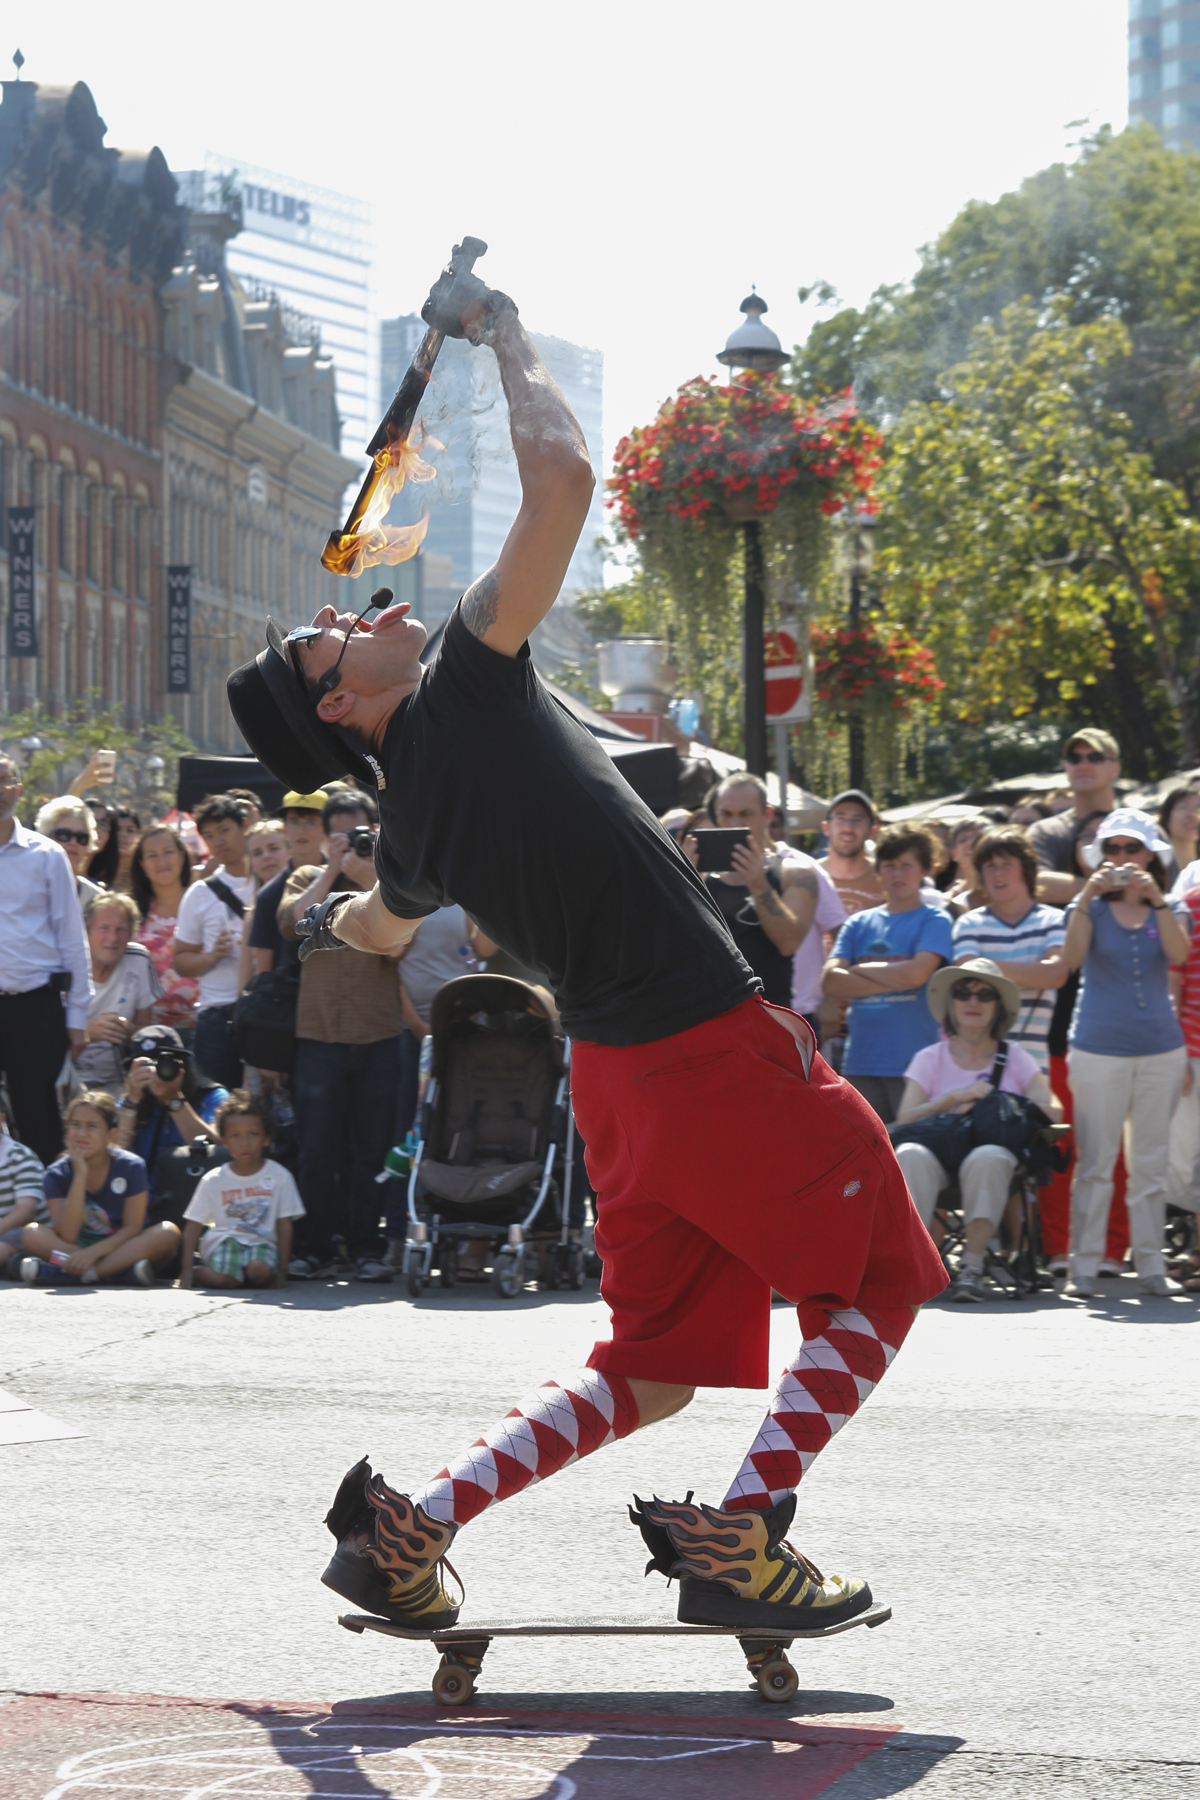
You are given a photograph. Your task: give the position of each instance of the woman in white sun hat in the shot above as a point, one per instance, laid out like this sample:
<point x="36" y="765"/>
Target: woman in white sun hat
<point x="1126" y="1060"/>
<point x="976" y="1005"/>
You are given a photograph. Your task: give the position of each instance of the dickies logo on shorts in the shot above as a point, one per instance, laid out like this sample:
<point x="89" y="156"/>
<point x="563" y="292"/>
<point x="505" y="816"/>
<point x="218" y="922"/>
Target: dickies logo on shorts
<point x="851" y="1187"/>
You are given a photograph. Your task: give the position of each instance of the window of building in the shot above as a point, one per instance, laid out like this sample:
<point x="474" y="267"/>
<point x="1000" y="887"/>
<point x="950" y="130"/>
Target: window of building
<point x="120" y="543"/>
<point x="141" y="388"/>
<point x="39" y="486"/>
<point x="95" y="534"/>
<point x="66" y="521"/>
<point x="1145" y="45"/>
<point x="1145" y="9"/>
<point x="65" y="682"/>
<point x="142" y="551"/>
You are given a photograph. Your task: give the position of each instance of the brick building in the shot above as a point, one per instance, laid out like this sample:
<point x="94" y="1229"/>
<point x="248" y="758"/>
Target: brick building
<point x="152" y="413"/>
<point x="87" y="234"/>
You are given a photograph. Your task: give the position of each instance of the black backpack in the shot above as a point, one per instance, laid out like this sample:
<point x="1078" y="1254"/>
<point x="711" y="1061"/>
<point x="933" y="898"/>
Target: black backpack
<point x="264" y="1018"/>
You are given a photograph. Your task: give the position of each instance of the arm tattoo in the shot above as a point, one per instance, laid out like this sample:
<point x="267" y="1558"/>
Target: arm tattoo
<point x="806" y="881"/>
<point x="481" y="603"/>
<point x="769" y="902"/>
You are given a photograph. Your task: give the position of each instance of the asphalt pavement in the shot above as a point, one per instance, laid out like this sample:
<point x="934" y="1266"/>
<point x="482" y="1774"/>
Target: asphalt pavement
<point x="1021" y="1488"/>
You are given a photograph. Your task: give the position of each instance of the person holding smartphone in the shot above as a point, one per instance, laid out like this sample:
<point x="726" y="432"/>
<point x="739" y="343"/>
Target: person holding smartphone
<point x="1127" y="1058"/>
<point x="767" y="902"/>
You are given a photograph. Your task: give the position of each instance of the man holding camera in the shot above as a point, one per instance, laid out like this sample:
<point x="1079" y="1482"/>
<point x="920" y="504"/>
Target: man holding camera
<point x="164" y="1102"/>
<point x="726" y="1156"/>
<point x="347" y="1068"/>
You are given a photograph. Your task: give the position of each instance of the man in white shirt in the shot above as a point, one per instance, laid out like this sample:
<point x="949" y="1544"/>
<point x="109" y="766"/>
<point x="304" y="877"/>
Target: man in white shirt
<point x="42" y="951"/>
<point x="208" y="937"/>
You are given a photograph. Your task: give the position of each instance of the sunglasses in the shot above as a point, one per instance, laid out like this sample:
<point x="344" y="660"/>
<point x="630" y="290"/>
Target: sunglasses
<point x="1082" y="756"/>
<point x="1119" y="847"/>
<point x="972" y="990"/>
<point x="305" y="634"/>
<point x="62" y="836"/>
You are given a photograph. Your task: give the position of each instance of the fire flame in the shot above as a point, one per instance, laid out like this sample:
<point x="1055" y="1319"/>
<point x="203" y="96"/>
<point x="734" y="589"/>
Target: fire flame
<point x="370" y="541"/>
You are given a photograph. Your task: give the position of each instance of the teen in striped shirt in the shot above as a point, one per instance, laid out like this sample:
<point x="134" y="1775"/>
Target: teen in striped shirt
<point x="1017" y="931"/>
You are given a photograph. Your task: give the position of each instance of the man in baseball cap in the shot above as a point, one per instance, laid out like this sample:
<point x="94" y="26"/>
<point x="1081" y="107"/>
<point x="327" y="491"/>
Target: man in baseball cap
<point x="1092" y="763"/>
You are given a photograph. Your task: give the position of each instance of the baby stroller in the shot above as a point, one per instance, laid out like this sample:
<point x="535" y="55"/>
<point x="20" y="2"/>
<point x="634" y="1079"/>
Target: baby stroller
<point x="493" y="1156"/>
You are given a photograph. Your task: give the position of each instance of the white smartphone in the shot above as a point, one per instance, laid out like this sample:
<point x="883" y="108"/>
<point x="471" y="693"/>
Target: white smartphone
<point x="106" y="766"/>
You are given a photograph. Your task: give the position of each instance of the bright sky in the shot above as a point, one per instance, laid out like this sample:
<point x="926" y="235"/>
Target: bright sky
<point x="634" y="166"/>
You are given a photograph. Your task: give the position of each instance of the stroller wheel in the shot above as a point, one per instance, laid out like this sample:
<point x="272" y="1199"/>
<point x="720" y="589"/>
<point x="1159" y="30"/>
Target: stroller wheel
<point x="575" y="1268"/>
<point x="414" y="1277"/>
<point x="551" y="1275"/>
<point x="448" y="1265"/>
<point x="508" y="1272"/>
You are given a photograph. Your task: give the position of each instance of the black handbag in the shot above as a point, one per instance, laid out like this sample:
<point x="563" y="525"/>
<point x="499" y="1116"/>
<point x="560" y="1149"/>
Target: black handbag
<point x="264" y="1018"/>
<point x="952" y="1136"/>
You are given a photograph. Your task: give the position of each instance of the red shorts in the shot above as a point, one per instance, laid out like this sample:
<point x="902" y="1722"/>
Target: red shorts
<point x="721" y="1173"/>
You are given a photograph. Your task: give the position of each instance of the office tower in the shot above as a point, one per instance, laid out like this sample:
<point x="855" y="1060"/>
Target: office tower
<point x="1164" y="69"/>
<point x="313" y="249"/>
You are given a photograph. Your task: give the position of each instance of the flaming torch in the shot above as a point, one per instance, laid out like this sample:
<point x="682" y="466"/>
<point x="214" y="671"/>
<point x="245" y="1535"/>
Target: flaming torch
<point x="365" y="540"/>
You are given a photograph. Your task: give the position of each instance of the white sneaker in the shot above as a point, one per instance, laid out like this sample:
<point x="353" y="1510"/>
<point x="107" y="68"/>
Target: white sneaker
<point x="29" y="1270"/>
<point x="1157" y="1287"/>
<point x="1083" y="1289"/>
<point x="143" y="1273"/>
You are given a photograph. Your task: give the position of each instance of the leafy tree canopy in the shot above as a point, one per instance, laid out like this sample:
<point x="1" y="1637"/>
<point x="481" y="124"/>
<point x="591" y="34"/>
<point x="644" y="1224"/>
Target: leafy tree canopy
<point x="1039" y="379"/>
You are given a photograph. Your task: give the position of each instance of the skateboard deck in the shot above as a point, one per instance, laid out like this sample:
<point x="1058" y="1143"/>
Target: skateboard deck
<point x="462" y="1647"/>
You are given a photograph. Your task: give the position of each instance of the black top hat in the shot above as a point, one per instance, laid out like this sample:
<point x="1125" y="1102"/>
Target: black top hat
<point x="274" y="714"/>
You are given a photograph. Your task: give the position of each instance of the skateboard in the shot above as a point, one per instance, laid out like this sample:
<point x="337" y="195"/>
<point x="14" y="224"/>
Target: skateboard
<point x="463" y="1647"/>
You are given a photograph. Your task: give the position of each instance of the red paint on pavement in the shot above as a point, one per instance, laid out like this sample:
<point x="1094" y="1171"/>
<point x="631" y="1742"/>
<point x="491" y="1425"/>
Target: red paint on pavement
<point x="59" y="1746"/>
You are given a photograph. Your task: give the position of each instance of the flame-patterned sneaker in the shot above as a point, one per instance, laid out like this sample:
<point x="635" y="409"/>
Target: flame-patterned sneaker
<point x="735" y="1568"/>
<point x="390" y="1554"/>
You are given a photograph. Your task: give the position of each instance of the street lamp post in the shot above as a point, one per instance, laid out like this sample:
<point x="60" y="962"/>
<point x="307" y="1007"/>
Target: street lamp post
<point x="862" y="557"/>
<point x="753" y="346"/>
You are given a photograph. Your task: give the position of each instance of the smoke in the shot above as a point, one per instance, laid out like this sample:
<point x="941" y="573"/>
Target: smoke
<point x="464" y="409"/>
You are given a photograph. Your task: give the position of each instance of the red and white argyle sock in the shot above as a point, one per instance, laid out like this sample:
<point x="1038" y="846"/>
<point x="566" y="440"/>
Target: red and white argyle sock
<point x="555" y="1425"/>
<point x="814" y="1396"/>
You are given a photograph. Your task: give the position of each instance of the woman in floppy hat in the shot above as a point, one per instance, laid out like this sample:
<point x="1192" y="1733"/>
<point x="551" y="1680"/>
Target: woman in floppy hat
<point x="975" y="1004"/>
<point x="1127" y="1058"/>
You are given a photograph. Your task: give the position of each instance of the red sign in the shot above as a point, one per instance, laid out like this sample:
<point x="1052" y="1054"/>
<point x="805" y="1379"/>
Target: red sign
<point x="784" y="659"/>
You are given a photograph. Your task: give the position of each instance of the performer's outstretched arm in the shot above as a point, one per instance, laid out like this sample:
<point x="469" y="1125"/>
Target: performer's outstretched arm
<point x="514" y="595"/>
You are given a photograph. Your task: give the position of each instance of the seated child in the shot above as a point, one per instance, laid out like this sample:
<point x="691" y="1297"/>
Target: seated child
<point x="97" y="1195"/>
<point x="22" y="1200"/>
<point x="244" y="1208"/>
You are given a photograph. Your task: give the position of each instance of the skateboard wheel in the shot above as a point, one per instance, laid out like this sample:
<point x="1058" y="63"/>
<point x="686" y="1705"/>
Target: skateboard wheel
<point x="777" y="1680"/>
<point x="452" y="1685"/>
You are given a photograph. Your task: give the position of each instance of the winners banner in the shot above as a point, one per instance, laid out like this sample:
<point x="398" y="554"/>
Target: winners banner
<point x="179" y="628"/>
<point x="22" y="602"/>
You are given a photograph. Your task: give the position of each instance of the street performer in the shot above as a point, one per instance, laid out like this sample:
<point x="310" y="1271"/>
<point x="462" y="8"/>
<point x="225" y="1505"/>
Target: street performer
<point x="726" y="1156"/>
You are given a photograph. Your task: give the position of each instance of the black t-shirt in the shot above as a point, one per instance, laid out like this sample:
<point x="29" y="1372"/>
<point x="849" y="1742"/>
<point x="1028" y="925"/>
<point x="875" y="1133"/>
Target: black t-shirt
<point x="739" y="912"/>
<point x="498" y="800"/>
<point x="264" y="932"/>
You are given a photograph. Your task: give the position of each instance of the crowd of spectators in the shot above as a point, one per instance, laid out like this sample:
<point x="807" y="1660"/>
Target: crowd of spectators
<point x="1043" y="952"/>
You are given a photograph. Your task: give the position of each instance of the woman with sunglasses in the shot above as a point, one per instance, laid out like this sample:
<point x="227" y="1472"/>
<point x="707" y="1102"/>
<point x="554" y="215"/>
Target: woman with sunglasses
<point x="1127" y="1058"/>
<point x="976" y="1005"/>
<point x="70" y="823"/>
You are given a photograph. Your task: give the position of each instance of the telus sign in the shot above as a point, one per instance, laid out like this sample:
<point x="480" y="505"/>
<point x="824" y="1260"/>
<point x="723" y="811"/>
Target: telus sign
<point x="282" y="209"/>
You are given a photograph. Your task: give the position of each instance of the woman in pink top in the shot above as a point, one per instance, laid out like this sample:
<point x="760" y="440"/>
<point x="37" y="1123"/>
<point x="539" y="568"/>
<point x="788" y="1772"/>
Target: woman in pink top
<point x="976" y="1005"/>
<point x="159" y="872"/>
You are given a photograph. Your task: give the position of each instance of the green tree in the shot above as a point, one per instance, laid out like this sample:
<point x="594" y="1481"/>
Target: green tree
<point x="1033" y="547"/>
<point x="1059" y="324"/>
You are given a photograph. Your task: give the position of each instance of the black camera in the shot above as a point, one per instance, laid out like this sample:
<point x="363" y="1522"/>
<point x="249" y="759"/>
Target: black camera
<point x="167" y="1065"/>
<point x="362" y="842"/>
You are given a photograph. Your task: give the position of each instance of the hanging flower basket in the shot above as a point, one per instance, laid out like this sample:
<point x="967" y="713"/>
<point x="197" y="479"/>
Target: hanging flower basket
<point x="875" y="672"/>
<point x="716" y="451"/>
